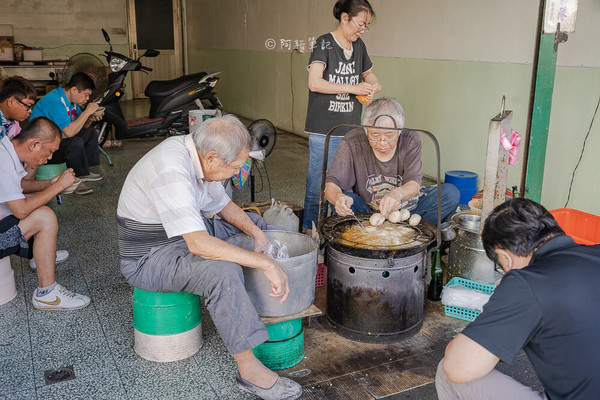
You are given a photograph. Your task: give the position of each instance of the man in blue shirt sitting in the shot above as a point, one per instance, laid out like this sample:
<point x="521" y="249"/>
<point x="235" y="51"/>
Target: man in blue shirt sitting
<point x="79" y="144"/>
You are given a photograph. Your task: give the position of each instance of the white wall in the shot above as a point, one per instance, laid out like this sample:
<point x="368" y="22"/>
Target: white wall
<point x="447" y="61"/>
<point x="62" y="28"/>
<point x="462" y="30"/>
<point x="63" y="24"/>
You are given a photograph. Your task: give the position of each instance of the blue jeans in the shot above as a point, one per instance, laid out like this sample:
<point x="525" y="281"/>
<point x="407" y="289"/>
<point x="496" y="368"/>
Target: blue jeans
<point x="316" y="147"/>
<point x="427" y="205"/>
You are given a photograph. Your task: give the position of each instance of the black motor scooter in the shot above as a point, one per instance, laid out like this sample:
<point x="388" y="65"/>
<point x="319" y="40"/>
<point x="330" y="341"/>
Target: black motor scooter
<point x="170" y="101"/>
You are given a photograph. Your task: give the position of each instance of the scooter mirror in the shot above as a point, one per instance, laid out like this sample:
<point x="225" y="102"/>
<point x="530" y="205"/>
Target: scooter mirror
<point x="106" y="37"/>
<point x="151" y="53"/>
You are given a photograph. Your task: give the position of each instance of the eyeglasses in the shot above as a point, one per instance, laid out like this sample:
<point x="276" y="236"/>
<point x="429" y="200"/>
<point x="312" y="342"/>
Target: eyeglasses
<point x="498" y="268"/>
<point x="27" y="106"/>
<point x="386" y="137"/>
<point x="361" y="29"/>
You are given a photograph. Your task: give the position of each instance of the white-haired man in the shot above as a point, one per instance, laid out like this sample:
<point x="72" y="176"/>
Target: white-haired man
<point x="167" y="243"/>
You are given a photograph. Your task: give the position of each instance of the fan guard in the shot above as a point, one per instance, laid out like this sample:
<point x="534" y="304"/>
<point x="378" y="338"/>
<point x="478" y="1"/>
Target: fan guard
<point x="90" y="65"/>
<point x="263" y="135"/>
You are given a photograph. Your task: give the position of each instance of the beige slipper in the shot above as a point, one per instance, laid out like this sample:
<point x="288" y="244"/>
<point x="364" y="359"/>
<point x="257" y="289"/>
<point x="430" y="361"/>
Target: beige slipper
<point x="83" y="189"/>
<point x="283" y="389"/>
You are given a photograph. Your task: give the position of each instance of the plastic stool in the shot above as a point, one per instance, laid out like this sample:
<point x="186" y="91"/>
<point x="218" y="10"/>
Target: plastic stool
<point x="465" y="181"/>
<point x="167" y="326"/>
<point x="285" y="347"/>
<point x="49" y="171"/>
<point x="8" y="289"/>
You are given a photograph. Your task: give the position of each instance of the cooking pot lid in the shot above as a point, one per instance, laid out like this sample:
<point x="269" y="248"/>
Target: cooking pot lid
<point x="467" y="221"/>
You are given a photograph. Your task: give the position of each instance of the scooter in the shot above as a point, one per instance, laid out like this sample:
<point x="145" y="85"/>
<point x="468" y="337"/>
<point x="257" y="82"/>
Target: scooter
<point x="170" y="101"/>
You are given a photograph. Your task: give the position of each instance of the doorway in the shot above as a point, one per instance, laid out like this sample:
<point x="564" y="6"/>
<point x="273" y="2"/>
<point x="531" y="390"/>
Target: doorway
<point x="150" y="28"/>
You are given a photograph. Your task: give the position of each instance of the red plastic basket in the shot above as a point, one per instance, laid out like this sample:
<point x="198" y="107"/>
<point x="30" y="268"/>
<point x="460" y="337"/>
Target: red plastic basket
<point x="321" y="275"/>
<point x="583" y="227"/>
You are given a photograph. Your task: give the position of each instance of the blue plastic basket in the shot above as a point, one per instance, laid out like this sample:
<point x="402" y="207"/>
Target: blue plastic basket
<point x="467" y="314"/>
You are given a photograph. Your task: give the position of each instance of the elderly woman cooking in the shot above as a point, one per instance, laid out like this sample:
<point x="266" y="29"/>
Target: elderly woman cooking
<point x="380" y="169"/>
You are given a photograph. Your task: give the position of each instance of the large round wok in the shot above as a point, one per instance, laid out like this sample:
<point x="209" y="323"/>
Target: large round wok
<point x="331" y="229"/>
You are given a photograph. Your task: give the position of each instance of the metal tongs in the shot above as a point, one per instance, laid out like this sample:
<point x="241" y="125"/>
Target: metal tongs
<point x="357" y="220"/>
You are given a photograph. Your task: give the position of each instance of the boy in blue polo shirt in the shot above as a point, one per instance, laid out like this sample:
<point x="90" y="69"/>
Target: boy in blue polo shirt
<point x="79" y="144"/>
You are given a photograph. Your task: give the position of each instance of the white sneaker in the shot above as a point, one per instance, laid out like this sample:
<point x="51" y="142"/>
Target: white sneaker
<point x="61" y="256"/>
<point x="60" y="299"/>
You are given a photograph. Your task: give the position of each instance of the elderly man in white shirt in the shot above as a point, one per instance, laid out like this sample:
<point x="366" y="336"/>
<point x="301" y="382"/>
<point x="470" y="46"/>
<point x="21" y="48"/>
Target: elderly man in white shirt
<point x="167" y="242"/>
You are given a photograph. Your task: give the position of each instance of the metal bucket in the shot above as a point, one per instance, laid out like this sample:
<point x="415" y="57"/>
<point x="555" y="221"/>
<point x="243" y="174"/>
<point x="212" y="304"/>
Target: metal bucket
<point x="375" y="300"/>
<point x="467" y="258"/>
<point x="301" y="269"/>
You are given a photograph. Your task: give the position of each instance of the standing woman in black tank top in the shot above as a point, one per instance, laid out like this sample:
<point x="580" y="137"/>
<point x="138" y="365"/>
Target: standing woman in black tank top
<point x="339" y="70"/>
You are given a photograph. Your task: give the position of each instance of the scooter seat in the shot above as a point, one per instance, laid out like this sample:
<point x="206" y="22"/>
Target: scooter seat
<point x="165" y="88"/>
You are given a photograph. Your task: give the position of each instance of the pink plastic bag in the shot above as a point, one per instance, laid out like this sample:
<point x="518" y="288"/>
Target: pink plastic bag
<point x="512" y="146"/>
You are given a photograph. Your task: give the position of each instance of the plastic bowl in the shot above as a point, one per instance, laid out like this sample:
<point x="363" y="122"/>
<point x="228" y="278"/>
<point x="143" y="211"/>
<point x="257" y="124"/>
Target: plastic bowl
<point x="72" y="188"/>
<point x="363" y="98"/>
<point x="98" y="112"/>
<point x="476" y="205"/>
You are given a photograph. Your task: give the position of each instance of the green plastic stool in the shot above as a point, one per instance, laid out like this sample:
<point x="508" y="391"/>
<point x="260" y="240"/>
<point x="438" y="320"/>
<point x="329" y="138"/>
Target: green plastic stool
<point x="49" y="171"/>
<point x="167" y="326"/>
<point x="285" y="347"/>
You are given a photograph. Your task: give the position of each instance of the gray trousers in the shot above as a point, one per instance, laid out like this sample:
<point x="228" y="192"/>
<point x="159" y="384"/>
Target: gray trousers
<point x="172" y="268"/>
<point x="493" y="386"/>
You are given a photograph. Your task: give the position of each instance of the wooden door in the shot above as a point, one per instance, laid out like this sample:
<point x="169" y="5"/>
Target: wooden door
<point x="151" y="28"/>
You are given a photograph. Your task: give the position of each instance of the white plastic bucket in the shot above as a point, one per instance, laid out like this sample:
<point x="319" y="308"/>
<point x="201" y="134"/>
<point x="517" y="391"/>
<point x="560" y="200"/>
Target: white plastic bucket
<point x="8" y="289"/>
<point x="196" y="117"/>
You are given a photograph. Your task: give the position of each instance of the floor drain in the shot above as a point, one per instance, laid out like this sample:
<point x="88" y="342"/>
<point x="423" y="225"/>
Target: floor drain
<point x="301" y="373"/>
<point x="59" y="375"/>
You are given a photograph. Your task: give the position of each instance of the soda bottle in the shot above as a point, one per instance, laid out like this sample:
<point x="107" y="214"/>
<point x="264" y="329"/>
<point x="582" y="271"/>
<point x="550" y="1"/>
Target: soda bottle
<point x="434" y="292"/>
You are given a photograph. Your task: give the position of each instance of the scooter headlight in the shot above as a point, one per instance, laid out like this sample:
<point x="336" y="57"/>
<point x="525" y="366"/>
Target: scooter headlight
<point x="116" y="64"/>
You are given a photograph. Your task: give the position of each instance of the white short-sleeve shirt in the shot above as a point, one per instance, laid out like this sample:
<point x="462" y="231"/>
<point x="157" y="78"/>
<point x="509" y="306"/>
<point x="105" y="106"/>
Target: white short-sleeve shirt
<point x="167" y="187"/>
<point x="11" y="173"/>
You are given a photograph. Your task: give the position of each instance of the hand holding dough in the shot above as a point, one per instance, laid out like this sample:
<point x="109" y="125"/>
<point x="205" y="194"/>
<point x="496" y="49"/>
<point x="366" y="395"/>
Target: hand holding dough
<point x="398" y="216"/>
<point x="377" y="219"/>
